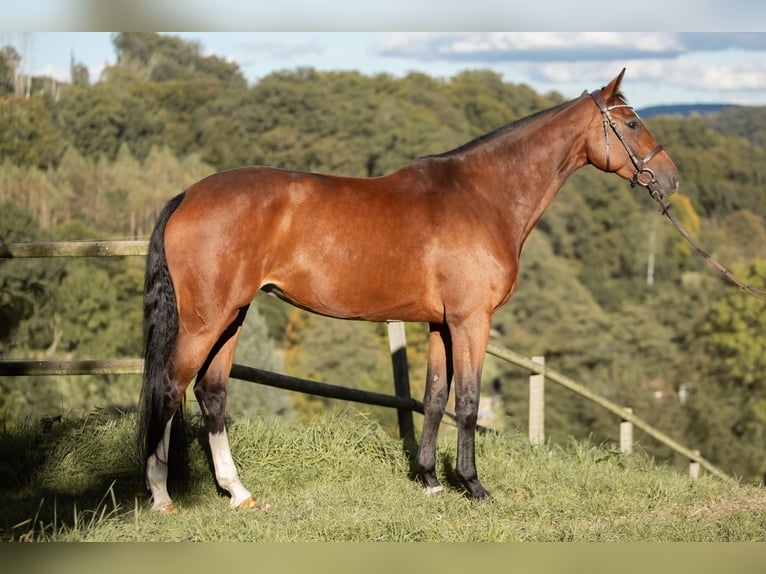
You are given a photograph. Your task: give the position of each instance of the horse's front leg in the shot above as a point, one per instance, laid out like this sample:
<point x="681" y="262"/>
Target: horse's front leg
<point x="469" y="344"/>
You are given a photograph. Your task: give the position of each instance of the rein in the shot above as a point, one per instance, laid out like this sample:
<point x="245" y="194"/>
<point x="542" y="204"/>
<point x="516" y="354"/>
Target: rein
<point x="655" y="191"/>
<point x="665" y="210"/>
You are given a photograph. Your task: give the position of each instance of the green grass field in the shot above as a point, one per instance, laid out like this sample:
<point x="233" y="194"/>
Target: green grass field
<point x="343" y="478"/>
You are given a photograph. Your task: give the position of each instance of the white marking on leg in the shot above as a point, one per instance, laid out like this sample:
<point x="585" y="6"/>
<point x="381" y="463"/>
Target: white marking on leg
<point x="429" y="490"/>
<point x="157" y="474"/>
<point x="225" y="471"/>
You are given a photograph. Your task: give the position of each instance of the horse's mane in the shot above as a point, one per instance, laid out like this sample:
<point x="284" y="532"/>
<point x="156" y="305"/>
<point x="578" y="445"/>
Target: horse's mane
<point x="500" y="132"/>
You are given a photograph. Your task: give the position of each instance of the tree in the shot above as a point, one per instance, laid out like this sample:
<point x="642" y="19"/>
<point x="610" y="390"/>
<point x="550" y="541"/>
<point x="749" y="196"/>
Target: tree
<point x="745" y="237"/>
<point x="732" y="339"/>
<point x="162" y="58"/>
<point x="346" y="353"/>
<point x="28" y="136"/>
<point x="257" y="349"/>
<point x="488" y="102"/>
<point x="94" y="119"/>
<point x="9" y="63"/>
<point x="78" y="73"/>
<point x="26" y="288"/>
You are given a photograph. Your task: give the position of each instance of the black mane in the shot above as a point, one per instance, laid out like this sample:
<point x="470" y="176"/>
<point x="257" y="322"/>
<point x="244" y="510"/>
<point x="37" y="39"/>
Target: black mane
<point x="498" y="132"/>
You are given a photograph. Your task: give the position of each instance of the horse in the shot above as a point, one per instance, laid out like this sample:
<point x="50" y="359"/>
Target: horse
<point x="437" y="241"/>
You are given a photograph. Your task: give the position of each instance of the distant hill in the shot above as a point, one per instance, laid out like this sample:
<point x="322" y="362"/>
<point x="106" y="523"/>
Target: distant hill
<point x="731" y="120"/>
<point x="747" y="122"/>
<point x="683" y="109"/>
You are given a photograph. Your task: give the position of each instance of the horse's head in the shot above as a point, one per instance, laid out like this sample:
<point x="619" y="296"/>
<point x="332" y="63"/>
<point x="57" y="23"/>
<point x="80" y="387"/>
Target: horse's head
<point x="620" y="143"/>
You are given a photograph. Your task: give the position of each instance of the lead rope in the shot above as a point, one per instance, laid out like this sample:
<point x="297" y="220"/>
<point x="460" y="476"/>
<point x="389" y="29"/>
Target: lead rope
<point x="665" y="210"/>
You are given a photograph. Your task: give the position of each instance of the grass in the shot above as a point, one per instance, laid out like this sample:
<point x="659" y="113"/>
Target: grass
<point x="343" y="478"/>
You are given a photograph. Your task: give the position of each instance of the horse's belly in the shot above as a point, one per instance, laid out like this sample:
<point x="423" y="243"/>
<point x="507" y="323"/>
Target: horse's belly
<point x="353" y="296"/>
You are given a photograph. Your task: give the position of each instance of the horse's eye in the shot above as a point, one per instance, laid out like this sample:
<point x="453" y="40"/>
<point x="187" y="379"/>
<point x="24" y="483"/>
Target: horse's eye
<point x="632" y="124"/>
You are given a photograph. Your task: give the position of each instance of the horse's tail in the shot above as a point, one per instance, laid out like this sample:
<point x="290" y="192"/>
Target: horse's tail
<point x="160" y="331"/>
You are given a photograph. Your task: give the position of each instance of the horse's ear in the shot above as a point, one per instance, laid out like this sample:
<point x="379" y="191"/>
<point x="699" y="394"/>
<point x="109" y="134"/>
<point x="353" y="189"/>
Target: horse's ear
<point x="613" y="88"/>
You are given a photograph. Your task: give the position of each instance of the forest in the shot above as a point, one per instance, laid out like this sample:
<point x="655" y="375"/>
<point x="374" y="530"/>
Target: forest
<point x="609" y="292"/>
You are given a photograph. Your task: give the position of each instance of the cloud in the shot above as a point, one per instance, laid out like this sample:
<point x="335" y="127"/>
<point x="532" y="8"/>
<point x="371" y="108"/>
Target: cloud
<point x="59" y="73"/>
<point x="746" y="76"/>
<point x="693" y="62"/>
<point x="717" y="41"/>
<point x="683" y="74"/>
<point x="493" y="47"/>
<point x="285" y="51"/>
<point x="497" y="47"/>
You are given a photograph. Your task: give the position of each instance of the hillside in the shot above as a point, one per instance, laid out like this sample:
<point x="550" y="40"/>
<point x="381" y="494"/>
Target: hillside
<point x="344" y="478"/>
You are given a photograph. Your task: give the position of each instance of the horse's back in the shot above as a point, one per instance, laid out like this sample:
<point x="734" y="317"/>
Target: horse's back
<point x="376" y="249"/>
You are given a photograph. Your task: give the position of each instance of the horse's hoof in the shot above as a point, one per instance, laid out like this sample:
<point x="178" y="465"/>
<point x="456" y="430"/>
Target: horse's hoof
<point x="429" y="490"/>
<point x="167" y="508"/>
<point x="480" y="494"/>
<point x="248" y="504"/>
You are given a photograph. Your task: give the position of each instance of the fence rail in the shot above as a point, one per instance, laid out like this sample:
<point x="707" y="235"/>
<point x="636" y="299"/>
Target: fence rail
<point x="73" y="249"/>
<point x="240" y="372"/>
<point x="401" y="401"/>
<point x="625" y="414"/>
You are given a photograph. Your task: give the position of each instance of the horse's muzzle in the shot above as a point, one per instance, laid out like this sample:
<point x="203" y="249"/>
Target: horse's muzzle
<point x="671" y="187"/>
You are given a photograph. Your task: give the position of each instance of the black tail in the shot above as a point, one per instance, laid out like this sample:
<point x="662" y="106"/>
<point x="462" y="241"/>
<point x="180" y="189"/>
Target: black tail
<point x="160" y="330"/>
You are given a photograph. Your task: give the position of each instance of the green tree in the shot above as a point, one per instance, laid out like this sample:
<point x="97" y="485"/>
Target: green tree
<point x="26" y="289"/>
<point x="345" y="353"/>
<point x="78" y="73"/>
<point x="745" y="237"/>
<point x="735" y="333"/>
<point x="162" y="57"/>
<point x="488" y="102"/>
<point x="746" y="121"/>
<point x="257" y="349"/>
<point x="27" y="134"/>
<point x="732" y="341"/>
<point x="93" y="117"/>
<point x="9" y="63"/>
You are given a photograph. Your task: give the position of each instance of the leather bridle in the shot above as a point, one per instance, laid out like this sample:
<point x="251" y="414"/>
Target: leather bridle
<point x="650" y="182"/>
<point x="644" y="176"/>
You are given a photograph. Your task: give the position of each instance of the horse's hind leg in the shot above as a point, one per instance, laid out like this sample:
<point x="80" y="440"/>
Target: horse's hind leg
<point x="438" y="379"/>
<point x="211" y="392"/>
<point x="184" y="363"/>
<point x="157" y="473"/>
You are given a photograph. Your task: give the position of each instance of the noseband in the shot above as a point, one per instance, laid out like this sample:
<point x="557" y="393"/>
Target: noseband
<point x="644" y="176"/>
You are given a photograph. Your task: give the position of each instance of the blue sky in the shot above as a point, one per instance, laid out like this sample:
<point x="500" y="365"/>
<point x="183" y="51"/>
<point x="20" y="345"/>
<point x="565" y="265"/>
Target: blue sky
<point x="662" y="67"/>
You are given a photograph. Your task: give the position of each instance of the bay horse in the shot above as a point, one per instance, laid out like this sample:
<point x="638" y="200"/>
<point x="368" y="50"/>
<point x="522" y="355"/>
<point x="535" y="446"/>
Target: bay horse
<point x="437" y="241"/>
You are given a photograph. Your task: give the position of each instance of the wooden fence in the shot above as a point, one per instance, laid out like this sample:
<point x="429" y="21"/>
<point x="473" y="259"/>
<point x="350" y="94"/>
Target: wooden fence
<point x="401" y="400"/>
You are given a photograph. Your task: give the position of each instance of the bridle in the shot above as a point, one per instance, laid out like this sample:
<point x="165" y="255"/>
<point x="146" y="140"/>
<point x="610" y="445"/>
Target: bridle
<point x="650" y="183"/>
<point x="644" y="176"/>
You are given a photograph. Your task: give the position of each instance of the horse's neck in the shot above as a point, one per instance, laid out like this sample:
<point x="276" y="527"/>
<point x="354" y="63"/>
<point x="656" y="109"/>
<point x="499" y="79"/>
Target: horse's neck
<point x="533" y="161"/>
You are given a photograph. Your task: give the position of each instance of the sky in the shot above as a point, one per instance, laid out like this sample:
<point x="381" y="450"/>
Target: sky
<point x="663" y="67"/>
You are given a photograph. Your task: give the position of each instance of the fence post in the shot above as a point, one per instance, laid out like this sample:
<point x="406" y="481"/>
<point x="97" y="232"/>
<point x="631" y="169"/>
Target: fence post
<point x="397" y="343"/>
<point x="626" y="434"/>
<point x="537" y="405"/>
<point x="694" y="467"/>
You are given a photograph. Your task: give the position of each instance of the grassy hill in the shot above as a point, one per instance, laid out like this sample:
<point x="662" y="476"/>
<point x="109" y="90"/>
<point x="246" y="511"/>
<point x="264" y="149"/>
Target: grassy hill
<point x="345" y="479"/>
